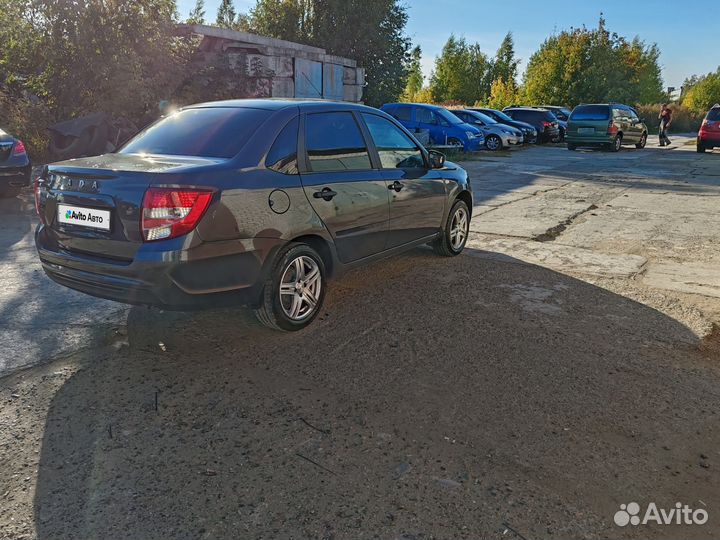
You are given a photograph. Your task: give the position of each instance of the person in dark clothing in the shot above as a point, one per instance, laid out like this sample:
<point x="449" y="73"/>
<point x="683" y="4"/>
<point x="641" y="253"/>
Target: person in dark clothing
<point x="665" y="117"/>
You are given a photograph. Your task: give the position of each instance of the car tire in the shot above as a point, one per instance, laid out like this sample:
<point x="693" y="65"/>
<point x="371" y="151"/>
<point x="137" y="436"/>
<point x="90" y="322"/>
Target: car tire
<point x="287" y="298"/>
<point x="616" y="144"/>
<point x="571" y="147"/>
<point x="643" y="142"/>
<point x="448" y="244"/>
<point x="493" y="143"/>
<point x="700" y="148"/>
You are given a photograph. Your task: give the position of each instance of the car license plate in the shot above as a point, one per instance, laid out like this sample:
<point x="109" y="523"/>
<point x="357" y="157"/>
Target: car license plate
<point x="84" y="217"/>
<point x="586" y="130"/>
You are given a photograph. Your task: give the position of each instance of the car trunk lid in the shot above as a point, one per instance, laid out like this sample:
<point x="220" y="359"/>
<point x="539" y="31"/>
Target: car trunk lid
<point x="92" y="206"/>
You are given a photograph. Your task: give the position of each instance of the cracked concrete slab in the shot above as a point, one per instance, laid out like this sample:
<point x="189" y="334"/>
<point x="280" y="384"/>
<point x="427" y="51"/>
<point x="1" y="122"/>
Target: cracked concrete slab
<point x="685" y="277"/>
<point x="555" y="256"/>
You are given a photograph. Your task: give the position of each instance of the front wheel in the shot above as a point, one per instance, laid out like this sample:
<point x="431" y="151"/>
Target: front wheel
<point x="457" y="143"/>
<point x="454" y="236"/>
<point x="642" y="143"/>
<point x="493" y="143"/>
<point x="293" y="293"/>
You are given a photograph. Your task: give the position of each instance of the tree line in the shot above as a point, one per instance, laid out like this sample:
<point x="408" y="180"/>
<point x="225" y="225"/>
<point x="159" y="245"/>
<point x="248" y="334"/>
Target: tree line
<point x="63" y="59"/>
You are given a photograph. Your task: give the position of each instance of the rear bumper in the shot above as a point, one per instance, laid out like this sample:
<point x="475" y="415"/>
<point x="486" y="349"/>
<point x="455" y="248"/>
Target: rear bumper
<point x="14" y="177"/>
<point x="588" y="140"/>
<point x="201" y="277"/>
<point x="709" y="138"/>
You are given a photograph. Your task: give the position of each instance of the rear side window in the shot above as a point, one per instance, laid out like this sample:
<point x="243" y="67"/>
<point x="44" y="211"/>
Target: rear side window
<point x="283" y="154"/>
<point x="714" y="114"/>
<point x="550" y="117"/>
<point x="214" y="132"/>
<point x="590" y="113"/>
<point x="334" y="143"/>
<point x="396" y="150"/>
<point x="404" y="114"/>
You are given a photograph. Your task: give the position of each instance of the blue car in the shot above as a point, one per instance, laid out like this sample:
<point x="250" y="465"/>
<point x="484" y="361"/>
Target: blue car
<point x="444" y="127"/>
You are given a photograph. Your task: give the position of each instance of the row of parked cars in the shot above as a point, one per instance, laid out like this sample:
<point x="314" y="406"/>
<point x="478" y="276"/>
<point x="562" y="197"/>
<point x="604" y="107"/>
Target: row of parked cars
<point x="478" y="127"/>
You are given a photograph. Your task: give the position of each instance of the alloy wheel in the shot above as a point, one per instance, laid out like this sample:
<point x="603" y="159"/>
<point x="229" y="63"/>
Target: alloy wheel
<point x="493" y="143"/>
<point x="300" y="288"/>
<point x="459" y="228"/>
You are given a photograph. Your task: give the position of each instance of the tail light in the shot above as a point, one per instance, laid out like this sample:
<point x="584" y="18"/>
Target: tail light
<point x="168" y="213"/>
<point x="36" y="191"/>
<point x="612" y="129"/>
<point x="19" y="149"/>
<point x="547" y="124"/>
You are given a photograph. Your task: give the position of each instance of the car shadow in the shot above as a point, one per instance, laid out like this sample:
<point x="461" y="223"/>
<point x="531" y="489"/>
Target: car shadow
<point x="433" y="397"/>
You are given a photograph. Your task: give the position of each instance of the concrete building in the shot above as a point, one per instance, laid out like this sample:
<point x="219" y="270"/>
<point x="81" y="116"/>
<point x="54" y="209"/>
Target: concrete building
<point x="268" y="67"/>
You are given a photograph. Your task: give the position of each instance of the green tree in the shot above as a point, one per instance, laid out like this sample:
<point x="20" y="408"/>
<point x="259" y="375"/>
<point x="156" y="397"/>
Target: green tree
<point x="415" y="76"/>
<point x="197" y="14"/>
<point x="704" y="93"/>
<point x="284" y="19"/>
<point x="503" y="94"/>
<point x="226" y="15"/>
<point x="505" y="64"/>
<point x="460" y="73"/>
<point x="584" y="65"/>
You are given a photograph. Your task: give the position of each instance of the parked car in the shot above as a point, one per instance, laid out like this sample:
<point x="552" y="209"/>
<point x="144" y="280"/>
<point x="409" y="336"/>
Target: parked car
<point x="497" y="136"/>
<point x="528" y="131"/>
<point x="709" y="134"/>
<point x="606" y="125"/>
<point x="445" y="128"/>
<point x="542" y="120"/>
<point x="14" y="164"/>
<point x="561" y="113"/>
<point x="255" y="202"/>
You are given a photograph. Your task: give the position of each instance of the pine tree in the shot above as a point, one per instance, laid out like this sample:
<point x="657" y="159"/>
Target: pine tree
<point x="414" y="76"/>
<point x="226" y="15"/>
<point x="197" y="15"/>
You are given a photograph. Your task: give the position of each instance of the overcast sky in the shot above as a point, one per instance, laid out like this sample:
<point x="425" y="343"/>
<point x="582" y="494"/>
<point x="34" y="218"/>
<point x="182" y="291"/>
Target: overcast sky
<point x="688" y="33"/>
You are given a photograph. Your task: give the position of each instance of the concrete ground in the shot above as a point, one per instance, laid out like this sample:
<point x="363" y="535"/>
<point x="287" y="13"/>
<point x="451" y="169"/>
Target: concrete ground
<point x="565" y="365"/>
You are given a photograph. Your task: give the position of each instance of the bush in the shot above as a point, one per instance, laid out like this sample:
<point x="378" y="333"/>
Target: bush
<point x="27" y="119"/>
<point x="684" y="120"/>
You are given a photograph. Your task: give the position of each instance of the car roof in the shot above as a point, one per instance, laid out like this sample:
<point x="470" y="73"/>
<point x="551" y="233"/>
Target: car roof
<point x="276" y="104"/>
<point x="525" y="109"/>
<point x="427" y="105"/>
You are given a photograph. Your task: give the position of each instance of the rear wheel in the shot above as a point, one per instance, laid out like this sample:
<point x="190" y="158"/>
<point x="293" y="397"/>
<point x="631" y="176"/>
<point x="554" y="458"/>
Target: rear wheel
<point x="454" y="236"/>
<point x="571" y="147"/>
<point x="493" y="143"/>
<point x="700" y="147"/>
<point x="293" y="293"/>
<point x="616" y="145"/>
<point x="643" y="142"/>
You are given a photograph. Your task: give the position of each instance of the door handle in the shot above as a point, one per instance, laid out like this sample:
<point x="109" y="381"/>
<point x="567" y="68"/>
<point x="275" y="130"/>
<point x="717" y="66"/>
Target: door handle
<point x="397" y="186"/>
<point x="325" y="194"/>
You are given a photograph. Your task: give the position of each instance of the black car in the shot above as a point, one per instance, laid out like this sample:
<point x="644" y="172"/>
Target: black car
<point x="14" y="164"/>
<point x="247" y="201"/>
<point x="528" y="131"/>
<point x="542" y="120"/>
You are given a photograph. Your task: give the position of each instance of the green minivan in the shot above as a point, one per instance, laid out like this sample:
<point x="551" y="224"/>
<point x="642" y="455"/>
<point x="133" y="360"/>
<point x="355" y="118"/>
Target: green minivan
<point x="607" y="125"/>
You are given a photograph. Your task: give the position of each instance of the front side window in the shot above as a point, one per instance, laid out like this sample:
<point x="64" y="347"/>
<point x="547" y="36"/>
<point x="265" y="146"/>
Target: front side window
<point x="283" y="154"/>
<point x="396" y="149"/>
<point x="213" y="132"/>
<point x="334" y="143"/>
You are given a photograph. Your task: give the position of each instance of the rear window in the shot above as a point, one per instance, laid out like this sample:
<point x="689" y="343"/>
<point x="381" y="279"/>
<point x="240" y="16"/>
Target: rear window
<point x="589" y="113"/>
<point x="714" y="114"/>
<point x="217" y="132"/>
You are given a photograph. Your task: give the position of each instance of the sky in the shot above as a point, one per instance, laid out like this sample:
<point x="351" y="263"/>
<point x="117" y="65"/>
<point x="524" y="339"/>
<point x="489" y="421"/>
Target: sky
<point x="687" y="33"/>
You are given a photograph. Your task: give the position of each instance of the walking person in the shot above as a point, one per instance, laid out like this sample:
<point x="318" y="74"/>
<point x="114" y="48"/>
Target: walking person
<point x="665" y="117"/>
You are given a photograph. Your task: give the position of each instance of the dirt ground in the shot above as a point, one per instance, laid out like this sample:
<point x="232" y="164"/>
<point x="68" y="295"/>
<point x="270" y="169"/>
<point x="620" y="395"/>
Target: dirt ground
<point x="523" y="390"/>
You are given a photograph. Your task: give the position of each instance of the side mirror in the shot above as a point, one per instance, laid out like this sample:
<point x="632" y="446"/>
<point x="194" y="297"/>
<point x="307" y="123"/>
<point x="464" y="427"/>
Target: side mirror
<point x="437" y="159"/>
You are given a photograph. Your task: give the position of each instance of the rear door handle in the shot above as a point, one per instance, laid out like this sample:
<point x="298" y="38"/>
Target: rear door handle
<point x="326" y="194"/>
<point x="397" y="186"/>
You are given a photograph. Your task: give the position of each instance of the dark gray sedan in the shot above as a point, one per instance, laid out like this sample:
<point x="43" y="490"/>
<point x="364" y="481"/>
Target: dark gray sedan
<point x="249" y="201"/>
<point x="14" y="164"/>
